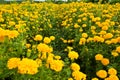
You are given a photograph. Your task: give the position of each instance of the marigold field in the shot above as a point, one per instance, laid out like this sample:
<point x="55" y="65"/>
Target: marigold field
<point x="68" y="41"/>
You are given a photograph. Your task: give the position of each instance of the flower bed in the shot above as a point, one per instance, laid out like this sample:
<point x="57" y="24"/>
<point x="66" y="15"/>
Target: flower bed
<point x="68" y="41"/>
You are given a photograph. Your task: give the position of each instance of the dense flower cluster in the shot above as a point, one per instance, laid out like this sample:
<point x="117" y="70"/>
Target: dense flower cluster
<point x="25" y="66"/>
<point x="74" y="41"/>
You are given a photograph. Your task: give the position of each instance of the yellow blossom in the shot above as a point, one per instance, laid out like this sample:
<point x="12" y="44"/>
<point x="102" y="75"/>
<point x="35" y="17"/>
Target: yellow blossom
<point x="112" y="71"/>
<point x="38" y="38"/>
<point x="13" y="63"/>
<point x="105" y="61"/>
<point x="52" y="37"/>
<point x="118" y="49"/>
<point x="75" y="67"/>
<point x="98" y="57"/>
<point x="73" y="55"/>
<point x="84" y="35"/>
<point x="101" y="74"/>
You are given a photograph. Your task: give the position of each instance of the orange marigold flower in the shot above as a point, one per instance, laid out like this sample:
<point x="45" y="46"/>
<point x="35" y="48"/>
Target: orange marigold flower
<point x="98" y="57"/>
<point x="105" y="61"/>
<point x="112" y="71"/>
<point x="101" y="74"/>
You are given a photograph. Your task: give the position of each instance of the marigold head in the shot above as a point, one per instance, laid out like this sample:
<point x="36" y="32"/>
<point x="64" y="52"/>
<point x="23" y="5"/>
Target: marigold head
<point x="118" y="49"/>
<point x="47" y="40"/>
<point x="73" y="55"/>
<point x="105" y="61"/>
<point x="112" y="71"/>
<point x="101" y="74"/>
<point x="38" y="38"/>
<point x="98" y="57"/>
<point x="75" y="67"/>
<point x="13" y="63"/>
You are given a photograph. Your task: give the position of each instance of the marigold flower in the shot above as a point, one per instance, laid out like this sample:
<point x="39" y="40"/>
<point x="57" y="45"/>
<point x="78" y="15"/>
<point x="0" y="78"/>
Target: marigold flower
<point x="52" y="37"/>
<point x="112" y="71"/>
<point x="108" y="35"/>
<point x="56" y="65"/>
<point x="76" y="25"/>
<point x="101" y="74"/>
<point x="84" y="25"/>
<point x="44" y="48"/>
<point x="28" y="45"/>
<point x="98" y="57"/>
<point x="75" y="67"/>
<point x="13" y="34"/>
<point x="38" y="38"/>
<point x="47" y="40"/>
<point x="27" y="66"/>
<point x="105" y="61"/>
<point x="113" y="77"/>
<point x="114" y="53"/>
<point x="95" y="79"/>
<point x="73" y="55"/>
<point x="118" y="49"/>
<point x="77" y="75"/>
<point x="84" y="35"/>
<point x="70" y="78"/>
<point x="13" y="63"/>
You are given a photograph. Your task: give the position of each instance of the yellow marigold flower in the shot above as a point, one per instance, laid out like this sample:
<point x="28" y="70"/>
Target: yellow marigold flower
<point x="82" y="41"/>
<point x="112" y="71"/>
<point x="73" y="55"/>
<point x="118" y="49"/>
<point x="114" y="41"/>
<point x="28" y="45"/>
<point x="13" y="63"/>
<point x="77" y="75"/>
<point x="27" y="66"/>
<point x="38" y="38"/>
<point x="101" y="74"/>
<point x="104" y="27"/>
<point x="98" y="18"/>
<point x="79" y="20"/>
<point x="108" y="35"/>
<point x="47" y="40"/>
<point x="84" y="25"/>
<point x="84" y="35"/>
<point x="93" y="27"/>
<point x="13" y="34"/>
<point x="52" y="37"/>
<point x="89" y="39"/>
<point x="102" y="32"/>
<point x="11" y="23"/>
<point x="114" y="53"/>
<point x="112" y="23"/>
<point x="98" y="57"/>
<point x="118" y="38"/>
<point x="65" y="41"/>
<point x="84" y="18"/>
<point x="105" y="61"/>
<point x="75" y="67"/>
<point x="70" y="78"/>
<point x="108" y="42"/>
<point x="113" y="77"/>
<point x="94" y="79"/>
<point x="94" y="19"/>
<point x="76" y="25"/>
<point x="44" y="48"/>
<point x="56" y="65"/>
<point x="98" y="39"/>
